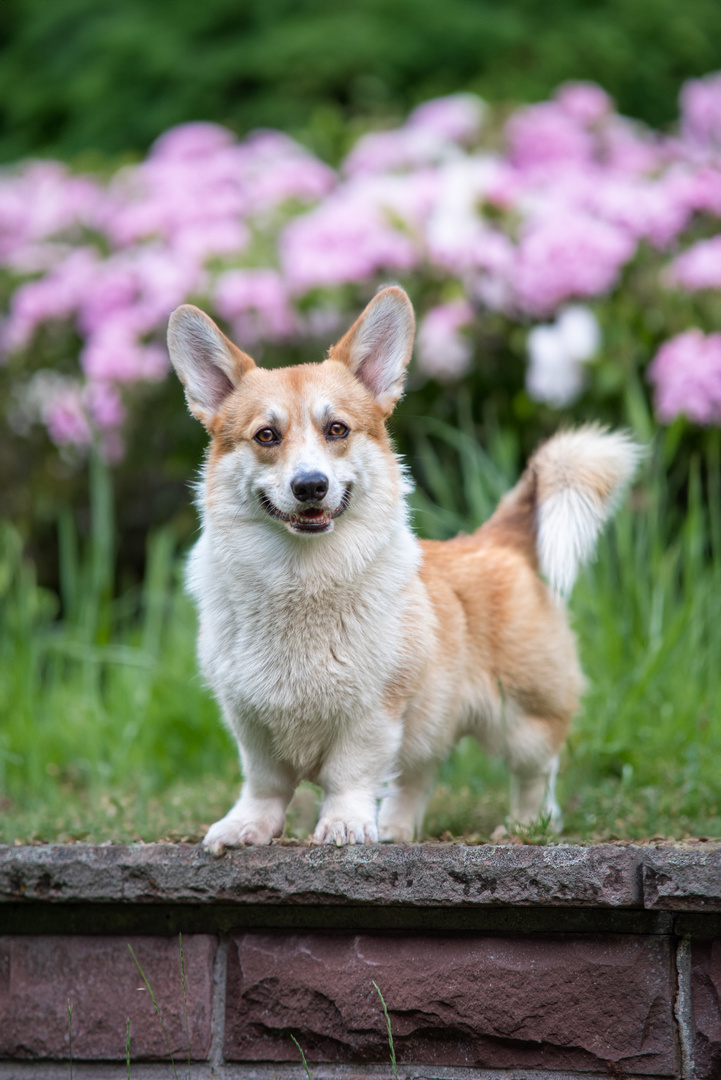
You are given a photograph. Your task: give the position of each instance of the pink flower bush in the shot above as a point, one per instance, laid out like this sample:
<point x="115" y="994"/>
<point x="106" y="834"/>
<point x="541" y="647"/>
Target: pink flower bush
<point x="686" y="374"/>
<point x="571" y="256"/>
<point x="646" y="209"/>
<point x="348" y="238"/>
<point x="457" y="118"/>
<point x="49" y="299"/>
<point x="431" y="134"/>
<point x="701" y="111"/>
<point x="701" y="188"/>
<point x="585" y="102"/>
<point x="282" y="248"/>
<point x="628" y="148"/>
<point x="77" y="415"/>
<point x="256" y="303"/>
<point x="444" y="351"/>
<point x="546" y="136"/>
<point x="39" y="201"/>
<point x="114" y="354"/>
<point x="198" y="186"/>
<point x="74" y="413"/>
<point x="699" y="267"/>
<point x="66" y="418"/>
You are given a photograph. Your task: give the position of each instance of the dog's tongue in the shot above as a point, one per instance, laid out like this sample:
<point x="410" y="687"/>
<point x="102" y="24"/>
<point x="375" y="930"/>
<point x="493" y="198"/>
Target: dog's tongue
<point x="312" y="512"/>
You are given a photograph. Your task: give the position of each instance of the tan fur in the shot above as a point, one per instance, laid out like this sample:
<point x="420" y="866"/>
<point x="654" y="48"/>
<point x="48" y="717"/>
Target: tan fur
<point x="494" y="610"/>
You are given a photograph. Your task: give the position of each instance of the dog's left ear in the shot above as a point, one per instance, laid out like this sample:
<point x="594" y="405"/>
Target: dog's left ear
<point x="378" y="346"/>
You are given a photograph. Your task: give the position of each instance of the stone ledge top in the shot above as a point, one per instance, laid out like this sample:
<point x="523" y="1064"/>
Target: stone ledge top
<point x="658" y="878"/>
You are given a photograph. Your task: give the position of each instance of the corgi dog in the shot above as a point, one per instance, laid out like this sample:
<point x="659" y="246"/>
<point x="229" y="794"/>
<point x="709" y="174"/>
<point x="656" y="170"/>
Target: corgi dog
<point x="342" y="649"/>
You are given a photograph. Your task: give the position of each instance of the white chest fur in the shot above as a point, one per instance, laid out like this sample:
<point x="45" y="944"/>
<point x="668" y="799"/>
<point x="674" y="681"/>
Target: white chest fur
<point x="294" y="645"/>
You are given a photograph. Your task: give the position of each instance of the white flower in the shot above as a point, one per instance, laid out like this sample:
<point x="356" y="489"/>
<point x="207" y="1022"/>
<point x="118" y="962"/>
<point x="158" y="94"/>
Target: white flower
<point x="557" y="353"/>
<point x="579" y="331"/>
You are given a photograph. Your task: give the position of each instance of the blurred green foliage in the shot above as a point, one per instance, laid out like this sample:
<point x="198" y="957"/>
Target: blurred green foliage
<point x="78" y="77"/>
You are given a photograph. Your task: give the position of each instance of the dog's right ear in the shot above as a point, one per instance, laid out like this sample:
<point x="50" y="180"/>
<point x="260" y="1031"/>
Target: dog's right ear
<point x="207" y="363"/>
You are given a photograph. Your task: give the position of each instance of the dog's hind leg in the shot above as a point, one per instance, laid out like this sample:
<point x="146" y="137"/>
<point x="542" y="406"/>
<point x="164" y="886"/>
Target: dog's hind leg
<point x="534" y="796"/>
<point x="401" y="814"/>
<point x="532" y="754"/>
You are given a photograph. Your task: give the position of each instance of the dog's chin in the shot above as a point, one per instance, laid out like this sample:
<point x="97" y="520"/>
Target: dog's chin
<point x="306" y="520"/>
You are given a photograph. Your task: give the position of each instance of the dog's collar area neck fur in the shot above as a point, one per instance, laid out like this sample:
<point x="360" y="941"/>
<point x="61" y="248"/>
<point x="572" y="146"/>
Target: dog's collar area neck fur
<point x="308" y="519"/>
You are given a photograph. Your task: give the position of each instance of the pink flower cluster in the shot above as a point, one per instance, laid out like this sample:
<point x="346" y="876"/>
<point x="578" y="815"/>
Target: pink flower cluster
<point x="444" y="351"/>
<point x="114" y="260"/>
<point x="686" y="374"/>
<point x="282" y="248"/>
<point x="38" y="203"/>
<point x="74" y="413"/>
<point x="699" y="267"/>
<point x="701" y="112"/>
<point x="431" y="134"/>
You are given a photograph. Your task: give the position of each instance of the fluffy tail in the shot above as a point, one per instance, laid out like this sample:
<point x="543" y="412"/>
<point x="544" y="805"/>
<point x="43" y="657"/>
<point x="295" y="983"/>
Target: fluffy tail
<point x="570" y="488"/>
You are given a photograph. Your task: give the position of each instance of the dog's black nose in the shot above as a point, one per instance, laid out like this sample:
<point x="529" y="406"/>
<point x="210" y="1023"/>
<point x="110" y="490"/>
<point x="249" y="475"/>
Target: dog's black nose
<point x="309" y="487"/>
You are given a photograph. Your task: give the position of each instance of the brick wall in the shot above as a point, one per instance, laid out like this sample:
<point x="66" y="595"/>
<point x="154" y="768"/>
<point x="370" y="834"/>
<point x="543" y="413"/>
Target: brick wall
<point x="530" y="963"/>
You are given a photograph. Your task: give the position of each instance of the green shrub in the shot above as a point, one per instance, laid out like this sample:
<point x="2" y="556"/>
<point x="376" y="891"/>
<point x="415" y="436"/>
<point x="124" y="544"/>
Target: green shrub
<point x="78" y="77"/>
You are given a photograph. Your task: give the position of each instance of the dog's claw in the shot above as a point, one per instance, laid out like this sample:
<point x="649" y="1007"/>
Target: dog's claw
<point x="338" y="832"/>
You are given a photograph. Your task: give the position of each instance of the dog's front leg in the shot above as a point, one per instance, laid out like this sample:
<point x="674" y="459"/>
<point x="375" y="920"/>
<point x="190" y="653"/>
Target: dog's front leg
<point x="352" y="777"/>
<point x="348" y="817"/>
<point x="259" y="814"/>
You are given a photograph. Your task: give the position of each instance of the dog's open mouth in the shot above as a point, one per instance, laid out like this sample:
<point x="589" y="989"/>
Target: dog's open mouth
<point x="307" y="519"/>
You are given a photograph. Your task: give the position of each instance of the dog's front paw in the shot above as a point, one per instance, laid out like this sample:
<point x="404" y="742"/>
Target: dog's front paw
<point x="336" y="831"/>
<point x="232" y="832"/>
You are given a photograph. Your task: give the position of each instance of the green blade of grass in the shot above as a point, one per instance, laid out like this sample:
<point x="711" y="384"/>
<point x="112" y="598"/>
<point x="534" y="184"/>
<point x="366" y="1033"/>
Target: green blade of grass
<point x="305" y="1063"/>
<point x="390" y="1033"/>
<point x="160" y="1016"/>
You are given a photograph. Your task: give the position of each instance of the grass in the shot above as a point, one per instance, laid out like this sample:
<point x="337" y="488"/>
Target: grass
<point x="299" y="1048"/>
<point x="149" y="988"/>
<point x="159" y="1014"/>
<point x="391" y="1047"/>
<point x="107" y="732"/>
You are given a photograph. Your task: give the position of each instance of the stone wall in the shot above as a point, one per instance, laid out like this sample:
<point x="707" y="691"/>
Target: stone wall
<point x="529" y="963"/>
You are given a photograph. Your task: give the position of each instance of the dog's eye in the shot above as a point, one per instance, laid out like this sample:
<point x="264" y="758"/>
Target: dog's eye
<point x="266" y="436"/>
<point x="337" y="430"/>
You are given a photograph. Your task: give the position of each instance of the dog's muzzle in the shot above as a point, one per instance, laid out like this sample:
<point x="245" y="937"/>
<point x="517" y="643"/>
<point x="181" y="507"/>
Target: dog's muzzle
<point x="308" y="519"/>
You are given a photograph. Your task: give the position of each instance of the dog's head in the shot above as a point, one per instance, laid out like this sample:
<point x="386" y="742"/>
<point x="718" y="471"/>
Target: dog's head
<point x="299" y="446"/>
